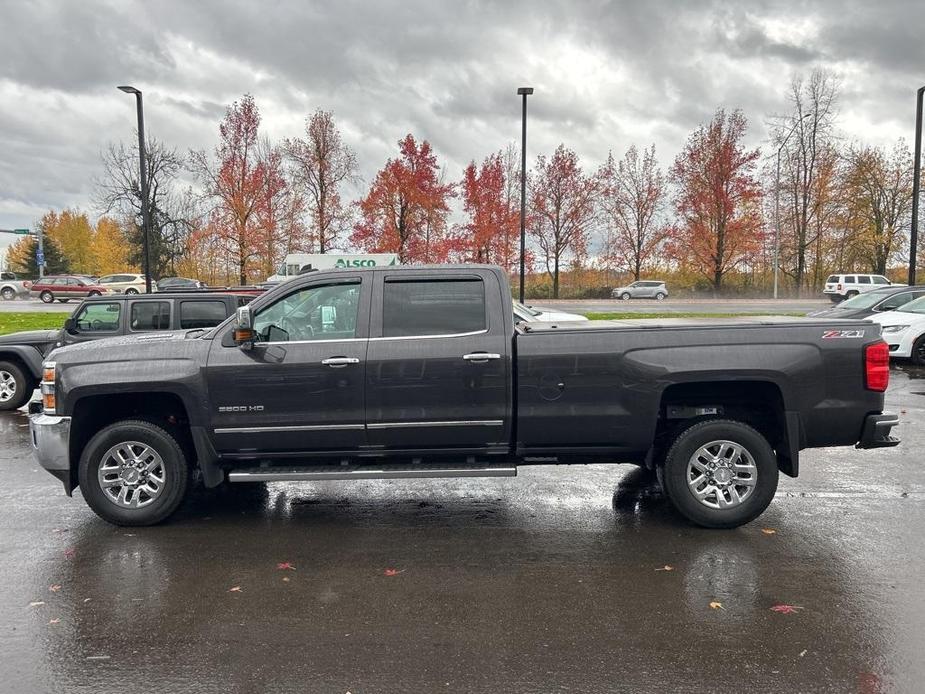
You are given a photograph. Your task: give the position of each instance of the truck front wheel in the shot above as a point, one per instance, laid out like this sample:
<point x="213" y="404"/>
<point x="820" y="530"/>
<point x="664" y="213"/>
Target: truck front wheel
<point x="133" y="473"/>
<point x="720" y="473"/>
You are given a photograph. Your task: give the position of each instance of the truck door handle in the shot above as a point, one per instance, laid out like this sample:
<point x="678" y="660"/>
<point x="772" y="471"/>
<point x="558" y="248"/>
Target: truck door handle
<point x="478" y="357"/>
<point x="338" y="362"/>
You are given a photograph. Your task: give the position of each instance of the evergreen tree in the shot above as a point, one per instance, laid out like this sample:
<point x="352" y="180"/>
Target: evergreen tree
<point x="22" y="258"/>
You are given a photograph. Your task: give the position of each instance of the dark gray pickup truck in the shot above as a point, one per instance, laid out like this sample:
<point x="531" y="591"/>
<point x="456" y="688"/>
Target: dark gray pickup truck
<point x="100" y="317"/>
<point x="421" y="372"/>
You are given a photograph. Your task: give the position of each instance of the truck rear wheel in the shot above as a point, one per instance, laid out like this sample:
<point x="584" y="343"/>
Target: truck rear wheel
<point x="720" y="473"/>
<point x="133" y="473"/>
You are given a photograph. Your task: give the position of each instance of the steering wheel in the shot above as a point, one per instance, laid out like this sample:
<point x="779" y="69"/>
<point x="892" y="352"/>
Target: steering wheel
<point x="298" y="331"/>
<point x="96" y="324"/>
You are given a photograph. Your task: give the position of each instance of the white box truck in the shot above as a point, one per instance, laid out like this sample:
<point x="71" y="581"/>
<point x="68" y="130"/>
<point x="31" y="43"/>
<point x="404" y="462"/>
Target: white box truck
<point x="299" y="263"/>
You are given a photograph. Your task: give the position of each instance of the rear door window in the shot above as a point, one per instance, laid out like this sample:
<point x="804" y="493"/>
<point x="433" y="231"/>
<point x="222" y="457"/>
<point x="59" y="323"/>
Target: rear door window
<point x="433" y="307"/>
<point x="850" y="279"/>
<point x="880" y="279"/>
<point x="201" y="314"/>
<point x="149" y="315"/>
<point x="863" y="279"/>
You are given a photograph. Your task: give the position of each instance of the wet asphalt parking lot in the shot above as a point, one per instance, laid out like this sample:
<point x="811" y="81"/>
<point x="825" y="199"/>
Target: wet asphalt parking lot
<point x="555" y="581"/>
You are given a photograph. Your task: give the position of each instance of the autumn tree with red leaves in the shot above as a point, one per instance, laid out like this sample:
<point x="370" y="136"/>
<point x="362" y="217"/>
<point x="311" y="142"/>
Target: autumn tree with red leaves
<point x="406" y="208"/>
<point x="492" y="233"/>
<point x="718" y="199"/>
<point x="562" y="202"/>
<point x="242" y="181"/>
<point x="321" y="163"/>
<point x="632" y="194"/>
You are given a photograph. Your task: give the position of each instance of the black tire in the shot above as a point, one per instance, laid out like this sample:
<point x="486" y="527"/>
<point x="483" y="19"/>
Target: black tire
<point x="918" y="351"/>
<point x="625" y="296"/>
<point x="12" y="376"/>
<point x="94" y="293"/>
<point x="674" y="473"/>
<point x="835" y="298"/>
<point x="660" y="296"/>
<point x="174" y="464"/>
<point x="8" y="294"/>
<point x="47" y="297"/>
<point x="851" y="294"/>
<point x="131" y="290"/>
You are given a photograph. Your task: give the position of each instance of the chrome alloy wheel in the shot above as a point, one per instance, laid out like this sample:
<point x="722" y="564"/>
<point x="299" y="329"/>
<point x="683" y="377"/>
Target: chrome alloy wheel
<point x="7" y="386"/>
<point x="722" y="474"/>
<point x="132" y="474"/>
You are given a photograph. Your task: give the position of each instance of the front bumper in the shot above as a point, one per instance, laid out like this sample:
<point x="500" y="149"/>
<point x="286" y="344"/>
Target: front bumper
<point x="876" y="431"/>
<point x="51" y="443"/>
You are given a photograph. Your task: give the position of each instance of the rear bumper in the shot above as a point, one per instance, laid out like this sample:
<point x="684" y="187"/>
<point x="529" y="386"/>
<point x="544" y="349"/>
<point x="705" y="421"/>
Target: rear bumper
<point x="51" y="442"/>
<point x="876" y="431"/>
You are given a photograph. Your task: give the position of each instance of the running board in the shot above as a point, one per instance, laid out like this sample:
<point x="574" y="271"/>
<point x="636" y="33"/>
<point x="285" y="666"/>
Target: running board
<point x="343" y="472"/>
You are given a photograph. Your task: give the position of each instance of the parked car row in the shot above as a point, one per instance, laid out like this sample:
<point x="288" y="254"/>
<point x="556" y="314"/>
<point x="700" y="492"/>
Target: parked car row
<point x="99" y="317"/>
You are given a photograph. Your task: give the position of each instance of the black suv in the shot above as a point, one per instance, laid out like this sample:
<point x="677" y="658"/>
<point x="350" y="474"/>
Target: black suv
<point x="97" y="317"/>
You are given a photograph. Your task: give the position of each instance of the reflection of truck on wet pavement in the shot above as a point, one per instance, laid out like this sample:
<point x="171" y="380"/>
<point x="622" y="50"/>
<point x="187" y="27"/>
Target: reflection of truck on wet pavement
<point x="297" y="264"/>
<point x="388" y="372"/>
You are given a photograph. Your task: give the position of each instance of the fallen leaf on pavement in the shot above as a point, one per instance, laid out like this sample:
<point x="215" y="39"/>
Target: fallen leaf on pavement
<point x="37" y="603"/>
<point x="86" y="599"/>
<point x="285" y="566"/>
<point x="769" y="531"/>
<point x="393" y="572"/>
<point x="55" y="588"/>
<point x="803" y="652"/>
<point x="234" y="589"/>
<point x="667" y="567"/>
<point x="716" y="605"/>
<point x="786" y="609"/>
<point x="285" y="579"/>
<point x="54" y="621"/>
<point x="69" y="553"/>
<point x="59" y="530"/>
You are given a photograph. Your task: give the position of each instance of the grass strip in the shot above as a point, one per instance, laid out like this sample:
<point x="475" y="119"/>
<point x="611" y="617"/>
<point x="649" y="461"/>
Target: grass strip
<point x="46" y="320"/>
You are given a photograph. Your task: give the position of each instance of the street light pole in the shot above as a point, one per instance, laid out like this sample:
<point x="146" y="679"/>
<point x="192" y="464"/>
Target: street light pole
<point x="916" y="186"/>
<point x="777" y="202"/>
<point x="143" y="165"/>
<point x="524" y="92"/>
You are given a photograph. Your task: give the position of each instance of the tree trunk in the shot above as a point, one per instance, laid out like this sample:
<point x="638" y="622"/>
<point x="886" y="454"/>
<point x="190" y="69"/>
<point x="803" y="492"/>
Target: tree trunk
<point x="555" y="278"/>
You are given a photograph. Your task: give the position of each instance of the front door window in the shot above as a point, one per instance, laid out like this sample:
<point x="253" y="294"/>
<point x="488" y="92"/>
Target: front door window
<point x="327" y="312"/>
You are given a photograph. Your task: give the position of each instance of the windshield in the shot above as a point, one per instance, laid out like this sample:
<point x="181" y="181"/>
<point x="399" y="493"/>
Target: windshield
<point x="917" y="306"/>
<point x="865" y="300"/>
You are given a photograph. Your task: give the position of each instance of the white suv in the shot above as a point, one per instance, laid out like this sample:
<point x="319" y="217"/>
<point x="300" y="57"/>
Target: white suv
<point x="838" y="287"/>
<point x="126" y="283"/>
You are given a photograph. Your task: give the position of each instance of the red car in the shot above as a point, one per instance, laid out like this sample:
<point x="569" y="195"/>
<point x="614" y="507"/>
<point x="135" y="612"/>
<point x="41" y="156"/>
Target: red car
<point x="66" y="287"/>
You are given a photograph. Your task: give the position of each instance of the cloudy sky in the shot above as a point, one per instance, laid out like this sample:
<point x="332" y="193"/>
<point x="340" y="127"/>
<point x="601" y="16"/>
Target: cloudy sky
<point x="606" y="74"/>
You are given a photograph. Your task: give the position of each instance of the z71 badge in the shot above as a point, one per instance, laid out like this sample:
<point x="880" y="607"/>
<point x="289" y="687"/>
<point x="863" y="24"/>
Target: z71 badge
<point x="842" y="334"/>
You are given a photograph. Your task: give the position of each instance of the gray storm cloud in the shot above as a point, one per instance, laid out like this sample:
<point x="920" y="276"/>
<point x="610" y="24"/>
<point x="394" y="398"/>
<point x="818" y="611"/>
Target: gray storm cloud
<point x="607" y="75"/>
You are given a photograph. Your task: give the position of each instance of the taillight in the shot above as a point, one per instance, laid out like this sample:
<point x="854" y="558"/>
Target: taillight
<point x="877" y="366"/>
<point x="839" y="287"/>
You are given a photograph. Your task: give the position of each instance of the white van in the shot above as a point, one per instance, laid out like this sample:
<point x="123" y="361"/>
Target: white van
<point x="838" y="287"/>
<point x="299" y="263"/>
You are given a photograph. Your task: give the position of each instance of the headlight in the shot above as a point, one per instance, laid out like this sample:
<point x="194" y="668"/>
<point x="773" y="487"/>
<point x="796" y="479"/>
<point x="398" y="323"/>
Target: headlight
<point x="48" y="387"/>
<point x="887" y="329"/>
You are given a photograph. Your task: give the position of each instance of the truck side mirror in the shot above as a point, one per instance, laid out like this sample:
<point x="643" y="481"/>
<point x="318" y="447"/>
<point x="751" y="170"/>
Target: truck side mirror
<point x="70" y="326"/>
<point x="244" y="336"/>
